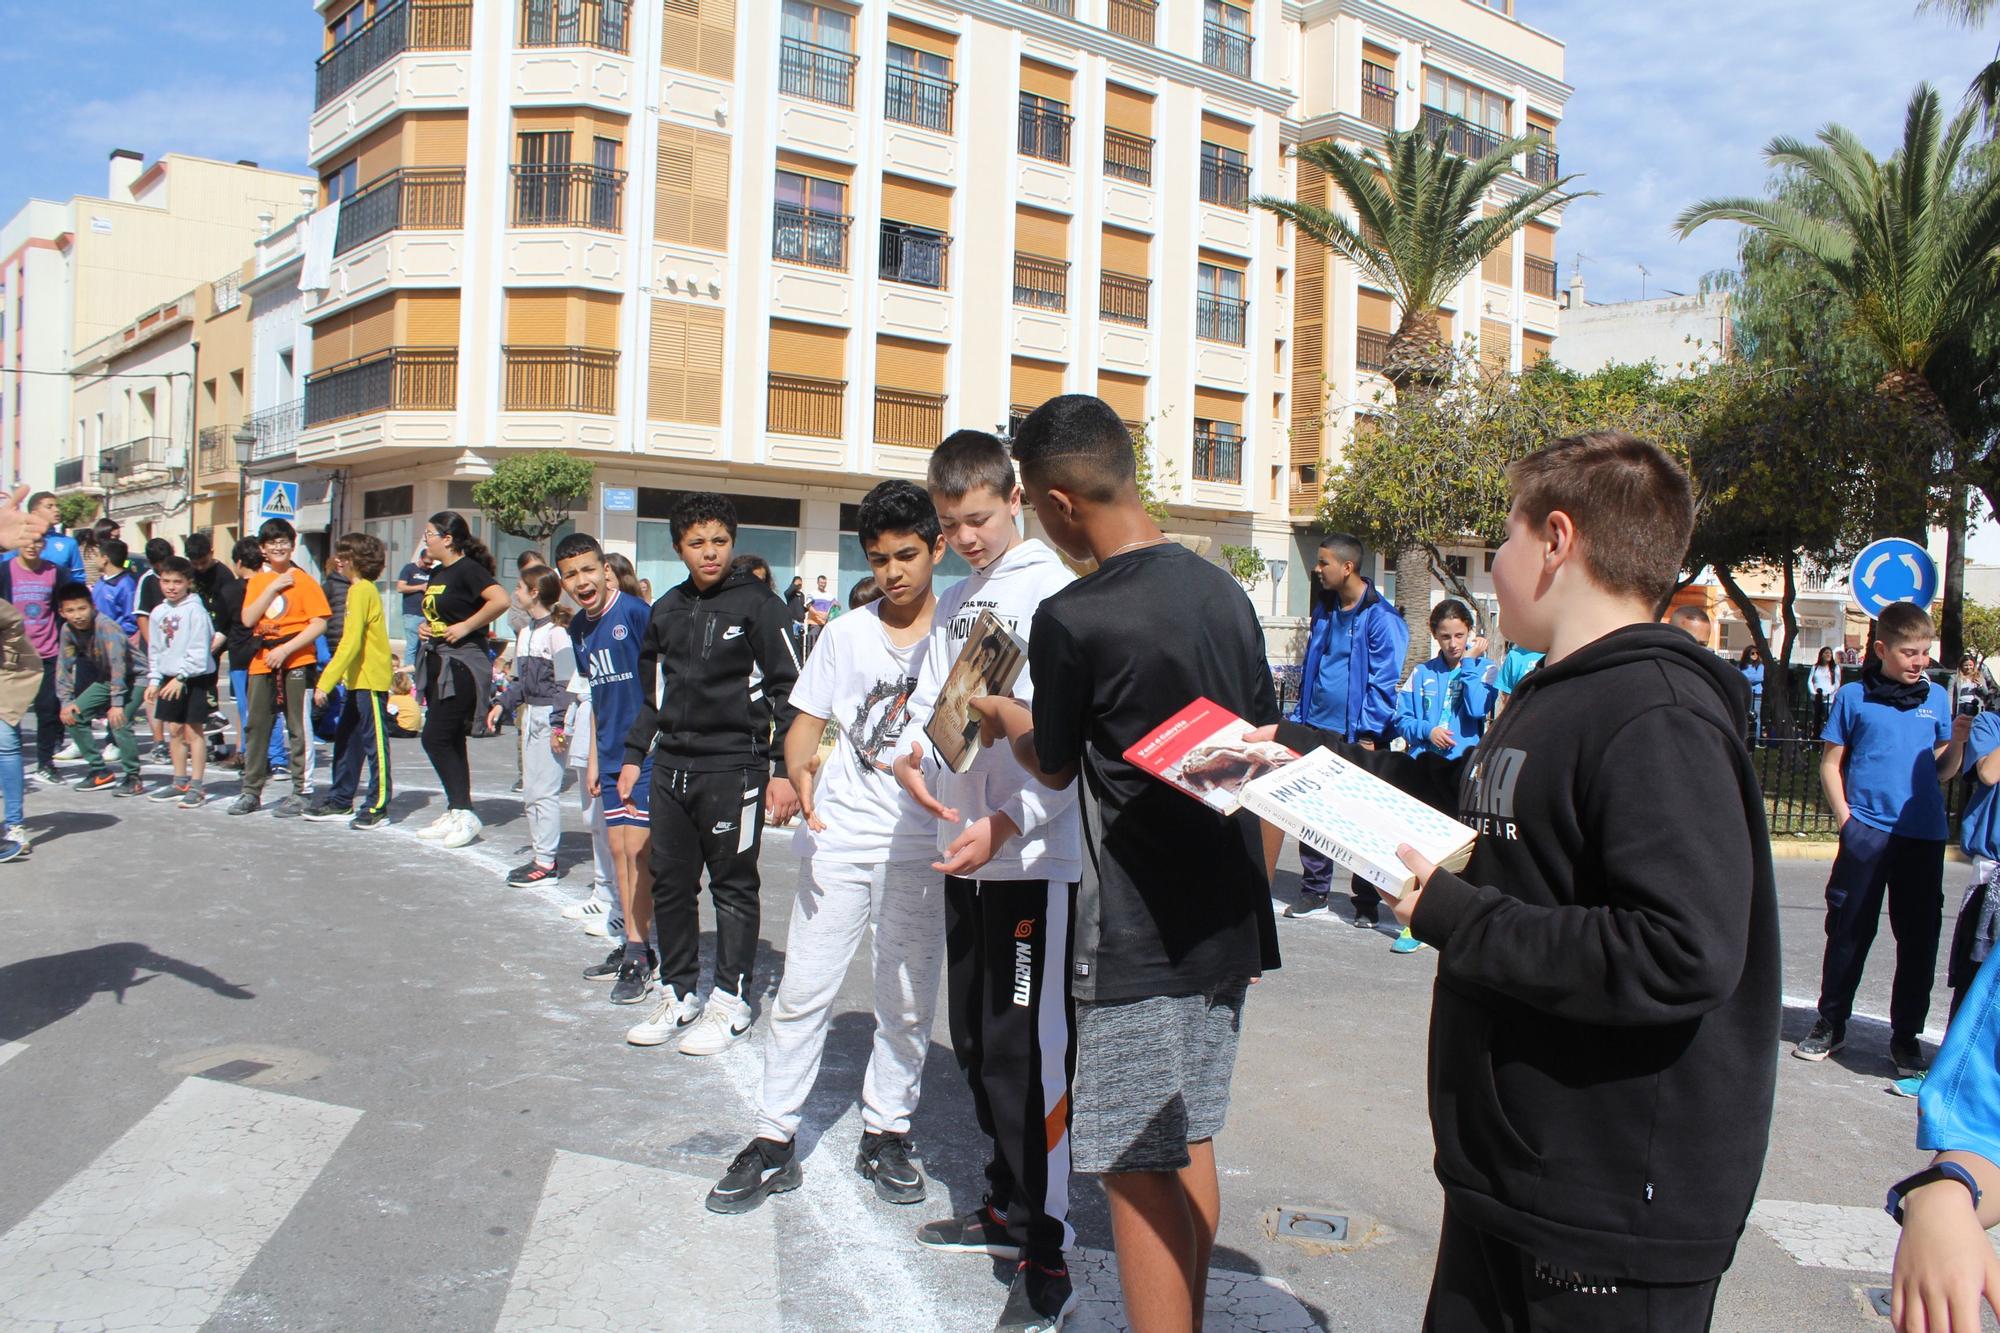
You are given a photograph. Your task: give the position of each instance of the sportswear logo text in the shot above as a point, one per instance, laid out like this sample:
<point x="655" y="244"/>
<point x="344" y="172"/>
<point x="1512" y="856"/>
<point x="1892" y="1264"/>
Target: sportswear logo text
<point x="1487" y="800"/>
<point x="1026" y="930"/>
<point x="733" y="632"/>
<point x="1024" y="974"/>
<point x="721" y="827"/>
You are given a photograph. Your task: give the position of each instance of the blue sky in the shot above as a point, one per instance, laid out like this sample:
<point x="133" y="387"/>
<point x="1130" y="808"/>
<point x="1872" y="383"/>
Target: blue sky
<point x="1671" y="103"/>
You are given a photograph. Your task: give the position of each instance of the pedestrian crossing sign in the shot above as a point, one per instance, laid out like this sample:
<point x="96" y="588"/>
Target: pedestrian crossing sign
<point x="280" y="500"/>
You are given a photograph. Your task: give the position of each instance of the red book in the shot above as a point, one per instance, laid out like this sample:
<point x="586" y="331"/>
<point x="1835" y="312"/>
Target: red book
<point x="1202" y="751"/>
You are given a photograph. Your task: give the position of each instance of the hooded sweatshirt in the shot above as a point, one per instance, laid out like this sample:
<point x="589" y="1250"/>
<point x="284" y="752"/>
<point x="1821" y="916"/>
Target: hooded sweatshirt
<point x="1607" y="1000"/>
<point x="1380" y="638"/>
<point x="1050" y="842"/>
<point x="178" y="639"/>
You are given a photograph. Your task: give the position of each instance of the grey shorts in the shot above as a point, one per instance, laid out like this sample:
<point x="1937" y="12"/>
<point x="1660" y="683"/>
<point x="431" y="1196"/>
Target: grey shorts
<point x="1152" y="1076"/>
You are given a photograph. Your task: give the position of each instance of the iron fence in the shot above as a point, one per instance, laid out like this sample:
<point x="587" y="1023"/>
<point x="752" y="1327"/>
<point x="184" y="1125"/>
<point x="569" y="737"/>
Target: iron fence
<point x="1041" y="283"/>
<point x="1220" y="319"/>
<point x="406" y="199"/>
<point x="1378" y="106"/>
<point x="1538" y="277"/>
<point x="908" y="418"/>
<point x="1128" y="157"/>
<point x="1218" y="456"/>
<point x="1544" y="166"/>
<point x="1124" y="299"/>
<point x="1133" y="20"/>
<point x="816" y="73"/>
<point x="912" y="97"/>
<point x="1460" y="136"/>
<point x="400" y="379"/>
<point x="1371" y="350"/>
<point x="805" y="236"/>
<point x="69" y="472"/>
<point x="605" y="24"/>
<point x="1044" y="132"/>
<point x="914" y="255"/>
<point x="561" y="379"/>
<point x="1225" y="49"/>
<point x="802" y="405"/>
<point x="404" y="25"/>
<point x="1224" y="183"/>
<point x="567" y="194"/>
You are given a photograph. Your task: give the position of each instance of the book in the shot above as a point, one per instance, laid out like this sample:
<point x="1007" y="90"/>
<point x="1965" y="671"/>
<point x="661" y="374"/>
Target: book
<point x="1336" y="807"/>
<point x="989" y="664"/>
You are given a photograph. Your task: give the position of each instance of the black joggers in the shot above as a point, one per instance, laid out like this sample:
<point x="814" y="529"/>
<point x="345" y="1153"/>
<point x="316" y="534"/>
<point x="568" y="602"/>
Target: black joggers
<point x="48" y="718"/>
<point x="713" y="821"/>
<point x="447" y="723"/>
<point x="1912" y="871"/>
<point x="1008" y="946"/>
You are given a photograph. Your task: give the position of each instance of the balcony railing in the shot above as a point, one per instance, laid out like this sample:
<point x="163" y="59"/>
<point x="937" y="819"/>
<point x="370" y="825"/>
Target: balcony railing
<point x="1544" y="166"/>
<point x="1220" y="319"/>
<point x="277" y="430"/>
<point x="801" y="405"/>
<point x="403" y="25"/>
<point x="915" y="98"/>
<point x="1132" y="19"/>
<point x="1378" y="105"/>
<point x="1225" y="183"/>
<point x="915" y="420"/>
<point x="1538" y="277"/>
<point x="406" y="199"/>
<point x="1225" y="49"/>
<point x="915" y="255"/>
<point x="151" y="453"/>
<point x="1371" y="350"/>
<point x="561" y="379"/>
<point x="69" y="472"/>
<point x="1124" y="299"/>
<point x="1041" y="283"/>
<point x="218" y="448"/>
<point x="1045" y="133"/>
<point x="1218" y="456"/>
<point x="1129" y="157"/>
<point x="803" y="236"/>
<point x="568" y="194"/>
<point x="1066" y="8"/>
<point x="816" y="73"/>
<point x="1460" y="136"/>
<point x="399" y="379"/>
<point x="605" y="24"/>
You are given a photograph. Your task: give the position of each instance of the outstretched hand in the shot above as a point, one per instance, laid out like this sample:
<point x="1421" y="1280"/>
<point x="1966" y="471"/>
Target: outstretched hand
<point x="979" y="844"/>
<point x="909" y="770"/>
<point x="17" y="525"/>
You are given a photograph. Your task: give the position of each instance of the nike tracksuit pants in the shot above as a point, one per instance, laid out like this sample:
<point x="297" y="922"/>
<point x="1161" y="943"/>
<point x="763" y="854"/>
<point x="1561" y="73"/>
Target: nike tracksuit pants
<point x="711" y="821"/>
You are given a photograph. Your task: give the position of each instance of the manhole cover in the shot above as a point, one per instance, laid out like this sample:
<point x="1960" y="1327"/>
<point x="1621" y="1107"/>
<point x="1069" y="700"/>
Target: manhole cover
<point x="1878" y="1297"/>
<point x="1312" y="1224"/>
<point x="252" y="1065"/>
<point x="235" y="1071"/>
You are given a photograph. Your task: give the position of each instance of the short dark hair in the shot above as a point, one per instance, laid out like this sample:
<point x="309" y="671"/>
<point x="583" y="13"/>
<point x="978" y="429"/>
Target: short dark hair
<point x="757" y="565"/>
<point x="365" y="555"/>
<point x="897" y="506"/>
<point x="698" y="507"/>
<point x="578" y="544"/>
<point x="1904" y="622"/>
<point x="158" y="549"/>
<point x="115" y="551"/>
<point x="1632" y="504"/>
<point x="864" y="591"/>
<point x="967" y="460"/>
<point x="197" y="546"/>
<point x="1076" y="443"/>
<point x="1344" y="545"/>
<point x="277" y="530"/>
<point x="527" y="560"/>
<point x="40" y="496"/>
<point x="1451" y="609"/>
<point x="174" y="564"/>
<point x="246" y="552"/>
<point x="1688" y="615"/>
<point x="72" y="592"/>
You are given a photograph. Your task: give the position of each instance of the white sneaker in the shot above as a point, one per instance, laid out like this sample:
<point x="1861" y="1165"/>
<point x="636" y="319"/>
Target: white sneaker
<point x="674" y="1013"/>
<point x="598" y="928"/>
<point x="110" y="752"/>
<point x="15" y="833"/>
<point x="463" y="830"/>
<point x="584" y="910"/>
<point x="438" y="827"/>
<point x="68" y="751"/>
<point x="724" y="1021"/>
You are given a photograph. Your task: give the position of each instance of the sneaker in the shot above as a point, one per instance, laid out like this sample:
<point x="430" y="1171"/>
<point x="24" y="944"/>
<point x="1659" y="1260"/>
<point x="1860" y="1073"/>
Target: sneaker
<point x="584" y="910"/>
<point x="1913" y="1086"/>
<point x="725" y="1020"/>
<point x="518" y="787"/>
<point x="1406" y="943"/>
<point x="169" y="791"/>
<point x="326" y="812"/>
<point x="130" y="787"/>
<point x="764" y="1168"/>
<point x="101" y="780"/>
<point x="109" y="754"/>
<point x="246" y="804"/>
<point x="17" y="833"/>
<point x="608" y="969"/>
<point x="281" y="773"/>
<point x="534" y="872"/>
<point x="160" y="754"/>
<point x="464" y="830"/>
<point x="1907" y="1054"/>
<point x="598" y="928"/>
<point x="635" y="981"/>
<point x="194" y="798"/>
<point x="1822" y="1041"/>
<point x="886" y="1160"/>
<point x="1038" y="1300"/>
<point x="47" y="773"/>
<point x="1367" y="918"/>
<point x="9" y="849"/>
<point x="1310" y="904"/>
<point x="672" y="1016"/>
<point x="68" y="752"/>
<point x="438" y="827"/>
<point x="981" y="1231"/>
<point x="366" y="819"/>
<point x="291" y="807"/>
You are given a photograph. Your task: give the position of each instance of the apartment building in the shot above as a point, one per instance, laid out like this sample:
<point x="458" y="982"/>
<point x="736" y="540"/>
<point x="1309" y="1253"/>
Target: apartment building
<point x="75" y="273"/>
<point x="133" y="395"/>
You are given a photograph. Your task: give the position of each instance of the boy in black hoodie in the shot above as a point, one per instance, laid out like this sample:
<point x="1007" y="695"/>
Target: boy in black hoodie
<point x="1602" y="1029"/>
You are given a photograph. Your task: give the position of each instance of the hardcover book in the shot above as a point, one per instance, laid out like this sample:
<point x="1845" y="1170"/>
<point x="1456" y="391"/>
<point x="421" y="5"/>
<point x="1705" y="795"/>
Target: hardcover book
<point x="990" y="663"/>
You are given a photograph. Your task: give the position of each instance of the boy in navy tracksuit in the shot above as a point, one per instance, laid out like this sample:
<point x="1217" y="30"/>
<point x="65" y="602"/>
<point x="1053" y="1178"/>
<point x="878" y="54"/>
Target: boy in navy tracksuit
<point x="1354" y="657"/>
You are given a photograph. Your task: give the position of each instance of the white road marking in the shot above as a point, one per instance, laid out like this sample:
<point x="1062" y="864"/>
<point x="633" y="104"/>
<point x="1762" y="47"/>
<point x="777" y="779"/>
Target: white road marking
<point x="11" y="1049"/>
<point x="1830" y="1235"/>
<point x="607" y="1233"/>
<point x="155" y="1232"/>
<point x="1236" y="1302"/>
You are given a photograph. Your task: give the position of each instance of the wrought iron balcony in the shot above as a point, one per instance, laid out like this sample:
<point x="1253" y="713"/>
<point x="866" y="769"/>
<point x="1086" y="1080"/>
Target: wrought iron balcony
<point x="69" y="473"/>
<point x="1133" y="20"/>
<point x="805" y="236"/>
<point x="561" y="379"/>
<point x="218" y="451"/>
<point x="1538" y="277"/>
<point x="277" y="430"/>
<point x="1218" y="456"/>
<point x="1041" y="283"/>
<point x="914" y="255"/>
<point x="911" y="97"/>
<point x="149" y="454"/>
<point x="802" y="405"/>
<point x="915" y="420"/>
<point x="1378" y="105"/>
<point x="406" y="199"/>
<point x="401" y="25"/>
<point x="1459" y="135"/>
<point x="399" y="379"/>
<point x="1066" y="8"/>
<point x="1371" y="350"/>
<point x="568" y="194"/>
<point x="1044" y="133"/>
<point x="1544" y="165"/>
<point x="1225" y="49"/>
<point x="1224" y="183"/>
<point x="816" y="73"/>
<point x="1128" y="157"/>
<point x="1124" y="299"/>
<point x="1220" y="319"/>
<point x="605" y="24"/>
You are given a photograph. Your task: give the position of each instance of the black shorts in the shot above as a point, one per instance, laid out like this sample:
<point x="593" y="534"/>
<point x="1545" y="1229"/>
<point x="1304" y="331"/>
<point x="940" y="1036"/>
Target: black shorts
<point x="191" y="706"/>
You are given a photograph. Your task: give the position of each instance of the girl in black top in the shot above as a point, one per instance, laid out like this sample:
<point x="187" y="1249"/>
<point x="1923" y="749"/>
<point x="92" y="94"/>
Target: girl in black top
<point x="462" y="600"/>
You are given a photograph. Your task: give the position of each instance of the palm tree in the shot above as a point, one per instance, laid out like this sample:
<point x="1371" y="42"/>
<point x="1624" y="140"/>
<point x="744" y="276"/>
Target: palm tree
<point x="1985" y="90"/>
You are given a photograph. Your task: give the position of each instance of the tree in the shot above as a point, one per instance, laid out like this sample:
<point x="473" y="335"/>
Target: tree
<point x="76" y="509"/>
<point x="1985" y="90"/>
<point x="1982" y="629"/>
<point x="530" y="495"/>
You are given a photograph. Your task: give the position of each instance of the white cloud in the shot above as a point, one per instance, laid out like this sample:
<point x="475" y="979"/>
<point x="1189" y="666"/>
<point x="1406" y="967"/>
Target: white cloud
<point x="264" y="121"/>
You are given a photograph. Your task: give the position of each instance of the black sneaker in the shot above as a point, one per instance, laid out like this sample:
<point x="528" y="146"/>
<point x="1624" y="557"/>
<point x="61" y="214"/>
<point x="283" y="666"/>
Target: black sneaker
<point x="102" y="780"/>
<point x="1907" y="1054"/>
<point x="635" y="981"/>
<point x="981" y="1231"/>
<point x="323" y="812"/>
<point x="1038" y="1300"/>
<point x="534" y="872"/>
<point x="1309" y="904"/>
<point x="1822" y="1041"/>
<point x="762" y="1169"/>
<point x="291" y="807"/>
<point x="1367" y="918"/>
<point x="885" y="1159"/>
<point x="160" y="754"/>
<point x="369" y="819"/>
<point x="608" y="969"/>
<point x="518" y="787"/>
<point x="47" y="773"/>
<point x="169" y="791"/>
<point x="246" y="804"/>
<point x="130" y="787"/>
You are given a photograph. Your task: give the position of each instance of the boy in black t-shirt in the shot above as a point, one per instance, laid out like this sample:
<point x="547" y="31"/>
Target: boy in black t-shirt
<point x="1178" y="919"/>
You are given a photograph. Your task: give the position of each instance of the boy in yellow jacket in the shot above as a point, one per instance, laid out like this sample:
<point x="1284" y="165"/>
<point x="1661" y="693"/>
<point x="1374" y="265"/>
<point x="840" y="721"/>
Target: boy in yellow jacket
<point x="361" y="662"/>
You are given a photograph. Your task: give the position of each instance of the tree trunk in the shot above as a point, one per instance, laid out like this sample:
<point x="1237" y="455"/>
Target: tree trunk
<point x="1413" y="596"/>
<point x="1913" y="390"/>
<point x="1419" y="359"/>
<point x="1747" y="608"/>
<point x="1951" y="623"/>
<point x="1778" y="679"/>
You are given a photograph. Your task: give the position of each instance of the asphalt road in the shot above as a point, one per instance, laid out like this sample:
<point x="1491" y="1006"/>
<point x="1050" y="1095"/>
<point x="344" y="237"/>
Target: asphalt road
<point x="395" y="1055"/>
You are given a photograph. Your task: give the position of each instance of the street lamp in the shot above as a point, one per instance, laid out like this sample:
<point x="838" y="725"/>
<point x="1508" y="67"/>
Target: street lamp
<point x="246" y="440"/>
<point x="107" y="472"/>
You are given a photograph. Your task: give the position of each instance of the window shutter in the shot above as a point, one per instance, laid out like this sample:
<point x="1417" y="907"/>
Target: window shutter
<point x="1494" y="352"/>
<point x="710" y="227"/>
<point x="600" y="320"/>
<point x="1372" y="311"/>
<point x="1035" y="382"/>
<point x="374" y="326"/>
<point x="1226" y="133"/>
<point x="915" y="35"/>
<point x="1215" y="405"/>
<point x="916" y="202"/>
<point x="1535" y="348"/>
<point x="1124" y="394"/>
<point x="1046" y="81"/>
<point x="1127" y="252"/>
<point x="431" y="319"/>
<point x="673" y="195"/>
<point x="809" y="350"/>
<point x="904" y="363"/>
<point x="537" y="319"/>
<point x="1129" y="110"/>
<point x="1044" y="235"/>
<point x="1541" y="241"/>
<point x="684" y="377"/>
<point x="437" y="140"/>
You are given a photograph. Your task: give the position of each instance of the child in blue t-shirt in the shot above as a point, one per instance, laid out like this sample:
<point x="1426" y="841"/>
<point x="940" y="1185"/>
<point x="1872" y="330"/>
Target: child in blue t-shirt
<point x="1891" y="745"/>
<point x="1979" y="837"/>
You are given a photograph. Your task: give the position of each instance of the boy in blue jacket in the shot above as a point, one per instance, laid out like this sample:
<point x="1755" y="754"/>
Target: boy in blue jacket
<point x="1354" y="657"/>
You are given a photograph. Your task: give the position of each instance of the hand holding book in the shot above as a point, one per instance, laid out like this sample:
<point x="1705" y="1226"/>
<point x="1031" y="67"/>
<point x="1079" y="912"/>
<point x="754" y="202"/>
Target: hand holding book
<point x="1419" y="866"/>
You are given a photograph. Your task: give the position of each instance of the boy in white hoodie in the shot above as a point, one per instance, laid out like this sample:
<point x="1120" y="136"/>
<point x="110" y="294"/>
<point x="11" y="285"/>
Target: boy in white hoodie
<point x="1012" y="855"/>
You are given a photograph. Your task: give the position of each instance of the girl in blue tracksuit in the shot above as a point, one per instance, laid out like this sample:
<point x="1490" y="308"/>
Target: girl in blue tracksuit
<point x="1443" y="706"/>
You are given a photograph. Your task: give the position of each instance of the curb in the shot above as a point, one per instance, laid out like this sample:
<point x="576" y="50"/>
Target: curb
<point x="1825" y="851"/>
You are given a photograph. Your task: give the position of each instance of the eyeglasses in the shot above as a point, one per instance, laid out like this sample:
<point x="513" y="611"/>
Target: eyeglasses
<point x="275" y="544"/>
